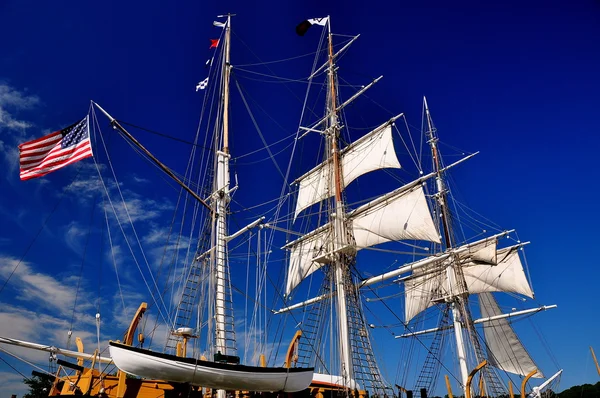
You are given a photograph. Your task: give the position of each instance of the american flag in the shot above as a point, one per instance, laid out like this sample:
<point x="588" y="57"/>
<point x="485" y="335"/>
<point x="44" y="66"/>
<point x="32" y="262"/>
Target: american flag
<point x="44" y="155"/>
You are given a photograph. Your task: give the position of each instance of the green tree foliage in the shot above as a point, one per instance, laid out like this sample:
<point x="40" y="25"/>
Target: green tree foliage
<point x="583" y="391"/>
<point x="39" y="387"/>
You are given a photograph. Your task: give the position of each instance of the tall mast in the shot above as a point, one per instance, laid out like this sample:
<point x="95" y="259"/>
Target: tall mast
<point x="339" y="233"/>
<point x="452" y="276"/>
<point x="221" y="200"/>
<point x="226" y="72"/>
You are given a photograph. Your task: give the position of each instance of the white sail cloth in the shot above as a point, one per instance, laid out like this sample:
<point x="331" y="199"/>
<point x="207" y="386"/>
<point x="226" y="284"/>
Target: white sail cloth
<point x="372" y="152"/>
<point x="399" y="215"/>
<point x="480" y="272"/>
<point x="505" y="350"/>
<point x="302" y="253"/>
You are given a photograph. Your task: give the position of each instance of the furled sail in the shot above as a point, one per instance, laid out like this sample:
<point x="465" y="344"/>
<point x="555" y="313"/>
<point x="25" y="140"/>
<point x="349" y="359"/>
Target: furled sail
<point x="402" y="214"/>
<point x="372" y="152"/>
<point x="483" y="251"/>
<point x="500" y="273"/>
<point x="505" y="350"/>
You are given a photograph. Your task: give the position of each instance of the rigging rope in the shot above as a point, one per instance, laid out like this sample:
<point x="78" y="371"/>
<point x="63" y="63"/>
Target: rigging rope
<point x="39" y="231"/>
<point x="170" y="137"/>
<point x="117" y="185"/>
<point x="281" y="60"/>
<point x="87" y="240"/>
<point x="260" y="134"/>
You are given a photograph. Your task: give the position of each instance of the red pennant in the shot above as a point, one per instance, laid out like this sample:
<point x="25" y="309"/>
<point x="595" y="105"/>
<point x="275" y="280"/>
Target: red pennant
<point x="213" y="43"/>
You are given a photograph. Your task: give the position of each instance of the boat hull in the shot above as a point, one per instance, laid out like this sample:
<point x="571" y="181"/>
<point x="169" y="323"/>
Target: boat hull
<point x="154" y="365"/>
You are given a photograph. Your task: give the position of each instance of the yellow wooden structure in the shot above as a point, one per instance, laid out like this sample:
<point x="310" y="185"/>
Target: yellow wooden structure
<point x="471" y="375"/>
<point x="89" y="381"/>
<point x="525" y="380"/>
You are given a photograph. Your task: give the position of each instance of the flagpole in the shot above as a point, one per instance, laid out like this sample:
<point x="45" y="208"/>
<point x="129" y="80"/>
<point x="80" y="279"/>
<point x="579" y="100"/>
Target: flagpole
<point x="117" y="126"/>
<point x="89" y="133"/>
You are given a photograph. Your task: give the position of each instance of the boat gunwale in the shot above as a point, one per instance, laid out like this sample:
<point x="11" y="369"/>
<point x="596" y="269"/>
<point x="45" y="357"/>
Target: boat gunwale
<point x="218" y="365"/>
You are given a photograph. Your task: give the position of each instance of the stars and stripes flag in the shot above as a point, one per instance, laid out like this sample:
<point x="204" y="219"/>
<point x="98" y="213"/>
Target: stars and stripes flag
<point x="56" y="150"/>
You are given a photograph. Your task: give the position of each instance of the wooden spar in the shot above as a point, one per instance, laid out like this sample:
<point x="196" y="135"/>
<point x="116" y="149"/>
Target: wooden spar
<point x="134" y="324"/>
<point x="339" y="233"/>
<point x="525" y="380"/>
<point x="333" y="121"/>
<point x="292" y="352"/>
<point x="117" y="126"/>
<point x="470" y="378"/>
<point x="121" y="376"/>
<point x="79" y="345"/>
<point x="448" y="386"/>
<point x="481" y="390"/>
<point x="595" y="360"/>
<point x="438" y="170"/>
<point x="511" y="393"/>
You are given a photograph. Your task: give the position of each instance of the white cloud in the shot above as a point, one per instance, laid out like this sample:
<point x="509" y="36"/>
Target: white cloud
<point x="42" y="289"/>
<point x="33" y="326"/>
<point x="12" y="102"/>
<point x="140" y="180"/>
<point x="12" y="383"/>
<point x="84" y="188"/>
<point x="138" y="209"/>
<point x="11" y="155"/>
<point x="74" y="236"/>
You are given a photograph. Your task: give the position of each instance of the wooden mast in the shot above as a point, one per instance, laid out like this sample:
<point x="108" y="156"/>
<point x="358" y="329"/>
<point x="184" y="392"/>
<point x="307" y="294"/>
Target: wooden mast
<point x="595" y="360"/>
<point x="340" y="238"/>
<point x="221" y="200"/>
<point x="450" y="272"/>
<point x="226" y="74"/>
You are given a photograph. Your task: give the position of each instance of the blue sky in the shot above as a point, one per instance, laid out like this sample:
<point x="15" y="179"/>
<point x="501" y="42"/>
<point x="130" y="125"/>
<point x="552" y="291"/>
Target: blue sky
<point x="518" y="82"/>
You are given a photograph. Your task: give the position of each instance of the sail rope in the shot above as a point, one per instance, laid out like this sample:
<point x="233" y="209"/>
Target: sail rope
<point x="33" y="365"/>
<point x="125" y="208"/>
<point x="15" y="369"/>
<point x="98" y="346"/>
<point x="419" y="340"/>
<point x="545" y="344"/>
<point x="288" y="88"/>
<point x="167" y="136"/>
<point x="40" y="229"/>
<point x="283" y="199"/>
<point x="80" y="278"/>
<point x="246" y="345"/>
<point x="265" y="148"/>
<point x="314" y="53"/>
<point x="258" y="130"/>
<point x="114" y="258"/>
<point x="205" y="189"/>
<point x="245" y="209"/>
<point x="276" y="79"/>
